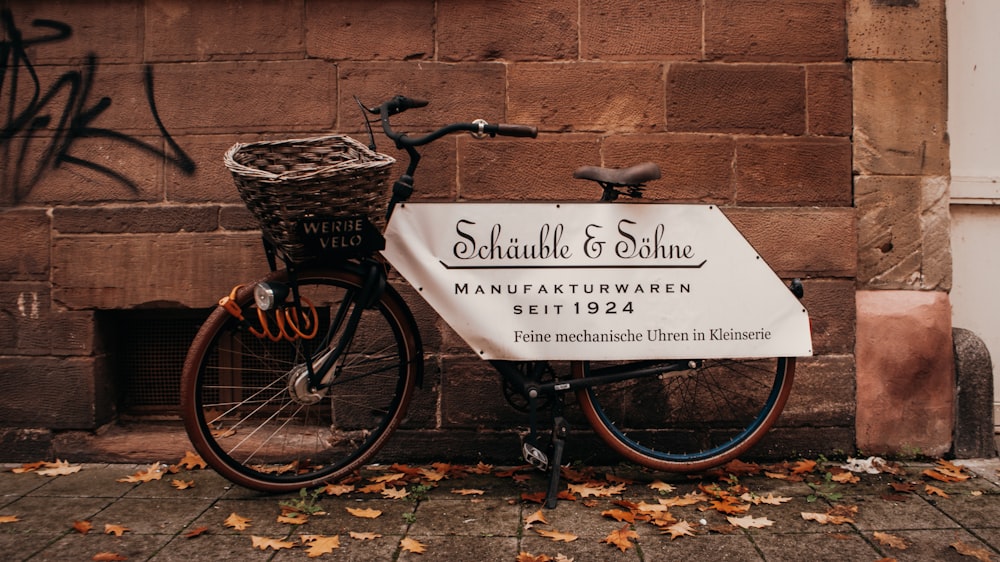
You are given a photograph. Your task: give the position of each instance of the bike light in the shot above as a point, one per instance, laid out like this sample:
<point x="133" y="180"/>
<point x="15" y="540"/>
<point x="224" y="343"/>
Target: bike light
<point x="267" y="295"/>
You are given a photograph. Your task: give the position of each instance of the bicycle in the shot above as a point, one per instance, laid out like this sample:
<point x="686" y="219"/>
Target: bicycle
<point x="300" y="378"/>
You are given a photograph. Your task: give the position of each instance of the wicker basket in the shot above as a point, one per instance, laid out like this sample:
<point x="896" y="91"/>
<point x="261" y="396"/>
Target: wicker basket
<point x="284" y="182"/>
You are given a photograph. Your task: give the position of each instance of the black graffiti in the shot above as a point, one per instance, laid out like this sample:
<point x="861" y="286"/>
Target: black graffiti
<point x="64" y="110"/>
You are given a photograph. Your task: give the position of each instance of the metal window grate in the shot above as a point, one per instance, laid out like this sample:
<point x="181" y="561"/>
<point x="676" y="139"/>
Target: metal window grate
<point x="150" y="346"/>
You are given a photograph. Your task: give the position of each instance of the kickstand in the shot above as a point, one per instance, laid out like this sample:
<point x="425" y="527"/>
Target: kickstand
<point x="559" y="431"/>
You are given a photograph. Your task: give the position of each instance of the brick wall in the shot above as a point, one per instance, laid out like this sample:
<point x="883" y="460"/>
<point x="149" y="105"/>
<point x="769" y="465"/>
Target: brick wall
<point x="114" y="196"/>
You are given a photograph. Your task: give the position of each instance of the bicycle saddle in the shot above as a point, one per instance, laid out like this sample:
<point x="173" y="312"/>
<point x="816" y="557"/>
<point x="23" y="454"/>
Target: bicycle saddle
<point x="631" y="176"/>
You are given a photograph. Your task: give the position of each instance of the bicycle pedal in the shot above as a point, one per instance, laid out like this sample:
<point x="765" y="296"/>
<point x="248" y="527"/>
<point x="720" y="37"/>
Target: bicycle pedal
<point x="534" y="456"/>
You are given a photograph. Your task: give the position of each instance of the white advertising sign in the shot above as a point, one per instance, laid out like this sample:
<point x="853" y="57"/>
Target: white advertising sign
<point x="596" y="281"/>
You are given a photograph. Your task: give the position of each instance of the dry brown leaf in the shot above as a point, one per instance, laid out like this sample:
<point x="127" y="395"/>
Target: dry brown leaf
<point x="536" y="517"/>
<point x="9" y="519"/>
<point x="892" y="541"/>
<point x="934" y="490"/>
<point x="662" y="487"/>
<point x="729" y="507"/>
<point x="622" y="538"/>
<point x="395" y="493"/>
<point x="237" y="522"/>
<point x="293" y="518"/>
<point x="264" y="543"/>
<point x="108" y="557"/>
<point x="192" y="461"/>
<point x="595" y="490"/>
<point x="740" y="468"/>
<point x="366" y="513"/>
<point x="28" y="467"/>
<point x="826" y="519"/>
<point x="527" y="557"/>
<point x="435" y="475"/>
<point x="679" y="529"/>
<point x="650" y="508"/>
<point x="58" y="468"/>
<point x="481" y="468"/>
<point x="154" y="472"/>
<point x="318" y="545"/>
<point x="414" y="546"/>
<point x="845" y="477"/>
<point x="804" y="466"/>
<point x="663" y="519"/>
<point x="390" y="477"/>
<point x="690" y="498"/>
<point x="373" y="488"/>
<point x="964" y="549"/>
<point x="182" y="484"/>
<point x="337" y="489"/>
<point x="196" y="532"/>
<point x="116" y="530"/>
<point x="537" y="497"/>
<point x="82" y="527"/>
<point x="364" y="536"/>
<point x="619" y="515"/>
<point x="769" y="499"/>
<point x="468" y="492"/>
<point x="750" y="522"/>
<point x="557" y="535"/>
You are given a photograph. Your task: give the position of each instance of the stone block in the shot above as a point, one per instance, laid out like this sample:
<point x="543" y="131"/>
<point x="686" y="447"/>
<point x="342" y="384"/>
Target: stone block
<point x="237" y="217"/>
<point x="903" y="232"/>
<point x="210" y="181"/>
<point x="587" y="96"/>
<point x="905" y="373"/>
<point x="54" y="393"/>
<point x="185" y="270"/>
<point x="514" y="30"/>
<point x="456" y="92"/>
<point x="775" y="31"/>
<point x="398" y="30"/>
<point x="25" y="445"/>
<point x="823" y="393"/>
<point x="794" y="171"/>
<point x="111" y="31"/>
<point x="25" y="256"/>
<point x="660" y="29"/>
<point x="900" y="118"/>
<point x="831" y="307"/>
<point x="204" y="31"/>
<point x="799" y="242"/>
<point x="974" y="437"/>
<point x="828" y="99"/>
<point x="134" y="219"/>
<point x="897" y="30"/>
<point x="472" y="396"/>
<point x="526" y="169"/>
<point x="213" y="97"/>
<point x="30" y="326"/>
<point x="743" y="99"/>
<point x="694" y="167"/>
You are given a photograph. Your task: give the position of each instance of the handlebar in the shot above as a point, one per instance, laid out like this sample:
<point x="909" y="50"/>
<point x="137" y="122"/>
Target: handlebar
<point x="478" y="128"/>
<point x="403" y="187"/>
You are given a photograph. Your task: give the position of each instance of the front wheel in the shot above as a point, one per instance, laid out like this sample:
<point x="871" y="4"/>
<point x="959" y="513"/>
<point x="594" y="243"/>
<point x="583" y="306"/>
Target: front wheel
<point x="247" y="405"/>
<point x="688" y="420"/>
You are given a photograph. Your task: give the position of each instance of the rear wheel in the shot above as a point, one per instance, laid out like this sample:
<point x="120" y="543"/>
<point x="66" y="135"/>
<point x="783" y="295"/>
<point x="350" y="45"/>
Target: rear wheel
<point x="692" y="419"/>
<point x="246" y="402"/>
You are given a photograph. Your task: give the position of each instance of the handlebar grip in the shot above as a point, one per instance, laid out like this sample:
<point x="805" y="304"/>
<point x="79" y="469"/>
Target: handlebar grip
<point x="517" y="130"/>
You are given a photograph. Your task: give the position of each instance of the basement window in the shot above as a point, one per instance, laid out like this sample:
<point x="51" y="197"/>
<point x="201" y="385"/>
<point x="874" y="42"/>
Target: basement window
<point x="149" y="347"/>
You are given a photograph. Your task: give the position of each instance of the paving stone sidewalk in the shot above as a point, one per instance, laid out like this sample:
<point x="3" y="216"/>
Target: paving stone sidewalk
<point x="453" y="521"/>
